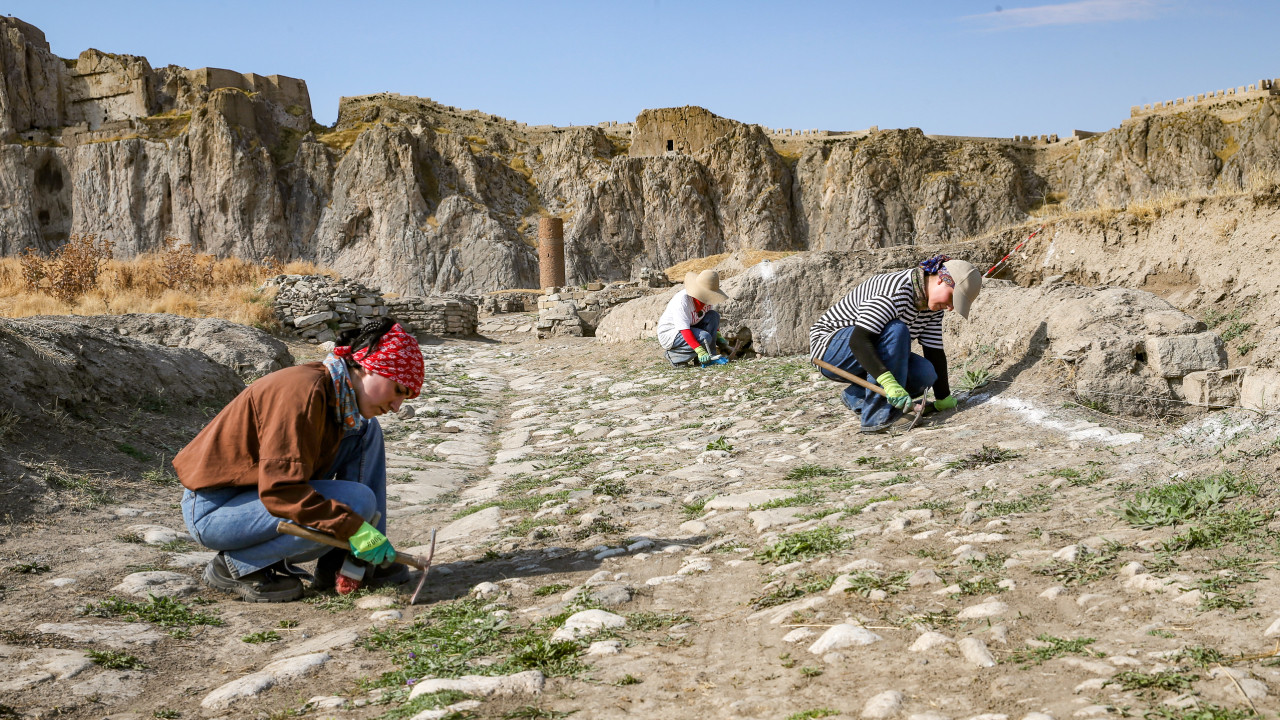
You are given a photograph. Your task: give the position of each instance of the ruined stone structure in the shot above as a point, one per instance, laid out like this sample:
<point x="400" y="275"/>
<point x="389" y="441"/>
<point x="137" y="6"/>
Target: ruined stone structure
<point x="44" y="97"/>
<point x="317" y="308"/>
<point x="551" y="251"/>
<point x="1262" y="88"/>
<point x="681" y="130"/>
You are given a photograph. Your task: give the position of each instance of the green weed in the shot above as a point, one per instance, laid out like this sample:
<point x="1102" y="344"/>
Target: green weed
<point x="1055" y="647"/>
<point x="112" y="660"/>
<point x="812" y="714"/>
<point x="163" y="611"/>
<point x="988" y="455"/>
<point x="720" y="444"/>
<point x="806" y="584"/>
<point x="646" y="621"/>
<point x="1166" y="680"/>
<point x="804" y="544"/>
<point x="552" y="589"/>
<point x="264" y="636"/>
<point x="864" y="582"/>
<point x="1178" y="502"/>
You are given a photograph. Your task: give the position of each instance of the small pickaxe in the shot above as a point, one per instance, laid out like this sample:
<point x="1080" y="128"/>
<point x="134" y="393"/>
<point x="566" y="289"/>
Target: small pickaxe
<point x="424" y="565"/>
<point x="873" y="388"/>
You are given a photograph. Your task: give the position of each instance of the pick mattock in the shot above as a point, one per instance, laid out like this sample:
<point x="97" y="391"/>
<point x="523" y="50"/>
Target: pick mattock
<point x="424" y="565"/>
<point x="870" y="386"/>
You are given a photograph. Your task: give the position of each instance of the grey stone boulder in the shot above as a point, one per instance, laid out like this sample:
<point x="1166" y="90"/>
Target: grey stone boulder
<point x="1213" y="388"/>
<point x="250" y="352"/>
<point x="529" y="682"/>
<point x="159" y="583"/>
<point x="1177" y="355"/>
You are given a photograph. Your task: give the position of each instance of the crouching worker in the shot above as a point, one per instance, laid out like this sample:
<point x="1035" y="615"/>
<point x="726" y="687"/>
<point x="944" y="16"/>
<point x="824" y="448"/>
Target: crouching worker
<point x="301" y="445"/>
<point x="689" y="328"/>
<point x="869" y="334"/>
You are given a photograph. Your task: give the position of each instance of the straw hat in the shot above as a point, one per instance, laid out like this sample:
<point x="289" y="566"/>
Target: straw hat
<point x="968" y="285"/>
<point x="705" y="286"/>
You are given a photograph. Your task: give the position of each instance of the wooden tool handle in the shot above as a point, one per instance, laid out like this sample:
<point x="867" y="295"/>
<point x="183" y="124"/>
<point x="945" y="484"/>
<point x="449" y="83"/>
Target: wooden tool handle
<point x="286" y="528"/>
<point x="851" y="377"/>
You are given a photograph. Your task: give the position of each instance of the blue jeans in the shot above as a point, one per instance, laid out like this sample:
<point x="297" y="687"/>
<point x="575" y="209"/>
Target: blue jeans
<point x="234" y="520"/>
<point x="704" y="331"/>
<point x="893" y="345"/>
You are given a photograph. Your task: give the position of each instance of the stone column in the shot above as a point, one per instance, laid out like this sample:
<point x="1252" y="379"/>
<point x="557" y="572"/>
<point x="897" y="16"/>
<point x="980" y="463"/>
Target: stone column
<point x="551" y="252"/>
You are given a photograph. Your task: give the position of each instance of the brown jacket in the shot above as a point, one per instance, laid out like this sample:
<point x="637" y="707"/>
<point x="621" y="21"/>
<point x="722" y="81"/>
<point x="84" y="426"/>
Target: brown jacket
<point x="276" y="435"/>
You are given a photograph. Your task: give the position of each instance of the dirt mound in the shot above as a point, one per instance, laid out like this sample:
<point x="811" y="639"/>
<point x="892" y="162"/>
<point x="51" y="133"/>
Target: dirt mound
<point x="252" y="353"/>
<point x="82" y="404"/>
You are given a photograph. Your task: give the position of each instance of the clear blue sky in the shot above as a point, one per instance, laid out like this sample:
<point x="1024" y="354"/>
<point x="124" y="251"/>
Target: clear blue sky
<point x="961" y="67"/>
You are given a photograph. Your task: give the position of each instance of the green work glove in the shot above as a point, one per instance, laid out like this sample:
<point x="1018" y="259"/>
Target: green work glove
<point x="721" y="339"/>
<point x="897" y="396"/>
<point x="945" y="403"/>
<point x="372" y="546"/>
<point x="704" y="357"/>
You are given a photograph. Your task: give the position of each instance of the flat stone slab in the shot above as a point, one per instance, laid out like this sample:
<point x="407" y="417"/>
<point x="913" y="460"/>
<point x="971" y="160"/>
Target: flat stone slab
<point x="503" y="470"/>
<point x="765" y="519"/>
<point x="254" y="684"/>
<point x="417" y="493"/>
<point x="160" y="583"/>
<point x="449" y="448"/>
<point x="529" y="682"/>
<point x="588" y="622"/>
<point x="115" y="634"/>
<point x="190" y="559"/>
<point x="747" y="500"/>
<point x="842" y="636"/>
<point x="157" y="534"/>
<point x="321" y="643"/>
<point x="477" y="523"/>
<point x="983" y="610"/>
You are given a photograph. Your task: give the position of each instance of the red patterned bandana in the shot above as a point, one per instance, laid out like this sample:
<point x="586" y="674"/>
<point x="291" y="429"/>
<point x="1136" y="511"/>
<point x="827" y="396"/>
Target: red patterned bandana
<point x="396" y="357"/>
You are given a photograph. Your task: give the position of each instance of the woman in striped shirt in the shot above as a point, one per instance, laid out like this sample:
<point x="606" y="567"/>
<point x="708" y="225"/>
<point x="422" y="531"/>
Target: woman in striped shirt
<point x="869" y="334"/>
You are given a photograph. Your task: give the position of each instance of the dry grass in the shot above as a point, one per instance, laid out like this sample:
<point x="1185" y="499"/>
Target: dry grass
<point x="677" y="272"/>
<point x="176" y="281"/>
<point x="342" y="140"/>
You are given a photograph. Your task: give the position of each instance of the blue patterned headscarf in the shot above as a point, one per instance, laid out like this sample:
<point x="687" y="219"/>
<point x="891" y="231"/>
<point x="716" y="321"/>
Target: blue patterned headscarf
<point x="933" y="266"/>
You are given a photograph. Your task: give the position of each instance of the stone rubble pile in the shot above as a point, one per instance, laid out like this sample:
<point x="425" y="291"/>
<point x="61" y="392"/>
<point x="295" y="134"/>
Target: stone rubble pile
<point x="575" y="312"/>
<point x="320" y="307"/>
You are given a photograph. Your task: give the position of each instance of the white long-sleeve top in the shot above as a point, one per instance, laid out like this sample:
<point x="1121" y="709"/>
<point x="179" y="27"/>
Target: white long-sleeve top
<point x="681" y="314"/>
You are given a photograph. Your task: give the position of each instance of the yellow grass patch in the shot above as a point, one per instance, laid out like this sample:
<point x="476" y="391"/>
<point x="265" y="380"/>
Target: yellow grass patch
<point x="176" y="281"/>
<point x="677" y="272"/>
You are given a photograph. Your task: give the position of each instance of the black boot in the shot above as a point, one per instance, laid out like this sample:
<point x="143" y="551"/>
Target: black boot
<point x="264" y="585"/>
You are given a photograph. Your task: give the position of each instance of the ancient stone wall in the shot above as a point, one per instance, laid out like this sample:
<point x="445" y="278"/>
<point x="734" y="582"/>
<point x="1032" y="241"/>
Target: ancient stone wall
<point x="1262" y="88"/>
<point x="289" y="93"/>
<point x="104" y="87"/>
<point x="319" y="307"/>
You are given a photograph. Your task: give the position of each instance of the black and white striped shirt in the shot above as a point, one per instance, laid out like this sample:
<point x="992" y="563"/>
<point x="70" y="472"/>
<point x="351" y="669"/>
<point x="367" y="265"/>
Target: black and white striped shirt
<point x="871" y="305"/>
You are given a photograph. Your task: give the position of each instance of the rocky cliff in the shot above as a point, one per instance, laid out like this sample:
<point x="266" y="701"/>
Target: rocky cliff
<point x="417" y="197"/>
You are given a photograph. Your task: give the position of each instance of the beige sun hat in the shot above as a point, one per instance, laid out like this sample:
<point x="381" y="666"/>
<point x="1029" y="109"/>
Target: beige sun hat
<point x="705" y="286"/>
<point x="968" y="285"/>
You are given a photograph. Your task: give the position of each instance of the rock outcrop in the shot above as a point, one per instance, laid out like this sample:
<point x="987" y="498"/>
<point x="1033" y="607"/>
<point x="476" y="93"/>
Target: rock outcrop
<point x="419" y="198"/>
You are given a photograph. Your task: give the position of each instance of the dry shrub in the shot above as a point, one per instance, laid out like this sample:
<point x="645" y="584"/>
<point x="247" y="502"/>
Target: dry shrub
<point x="70" y="271"/>
<point x="176" y="280"/>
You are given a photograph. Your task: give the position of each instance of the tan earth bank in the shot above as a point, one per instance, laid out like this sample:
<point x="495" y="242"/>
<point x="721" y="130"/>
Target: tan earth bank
<point x="623" y="539"/>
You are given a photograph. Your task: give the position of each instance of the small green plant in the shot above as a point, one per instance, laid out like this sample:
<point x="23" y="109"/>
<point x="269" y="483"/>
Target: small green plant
<point x="616" y="488"/>
<point x="806" y="584"/>
<point x="1086" y="568"/>
<point x="1245" y="348"/>
<point x="31" y="568"/>
<point x="811" y="672"/>
<point x="1235" y="330"/>
<point x="524" y="712"/>
<point x="695" y="508"/>
<point x="1035" y="502"/>
<point x="863" y="582"/>
<point x="812" y="714"/>
<point x="806" y="497"/>
<point x="646" y="621"/>
<point x="551" y="589"/>
<point x="809" y="471"/>
<point x="160" y="477"/>
<point x="628" y="679"/>
<point x="720" y="444"/>
<point x="288" y="624"/>
<point x="1218" y="529"/>
<point x="971" y="380"/>
<point x="166" y="713"/>
<point x="1053" y="647"/>
<point x="1166" y="680"/>
<point x="1200" y="656"/>
<point x="786" y="661"/>
<point x="880" y="464"/>
<point x="804" y="544"/>
<point x="1161" y="633"/>
<point x="1178" y="502"/>
<point x="988" y="455"/>
<point x="264" y="636"/>
<point x="112" y="660"/>
<point x="163" y="611"/>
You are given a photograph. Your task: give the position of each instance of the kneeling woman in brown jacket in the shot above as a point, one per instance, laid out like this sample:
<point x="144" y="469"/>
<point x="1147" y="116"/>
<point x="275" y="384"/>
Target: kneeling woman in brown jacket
<point x="302" y="445"/>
